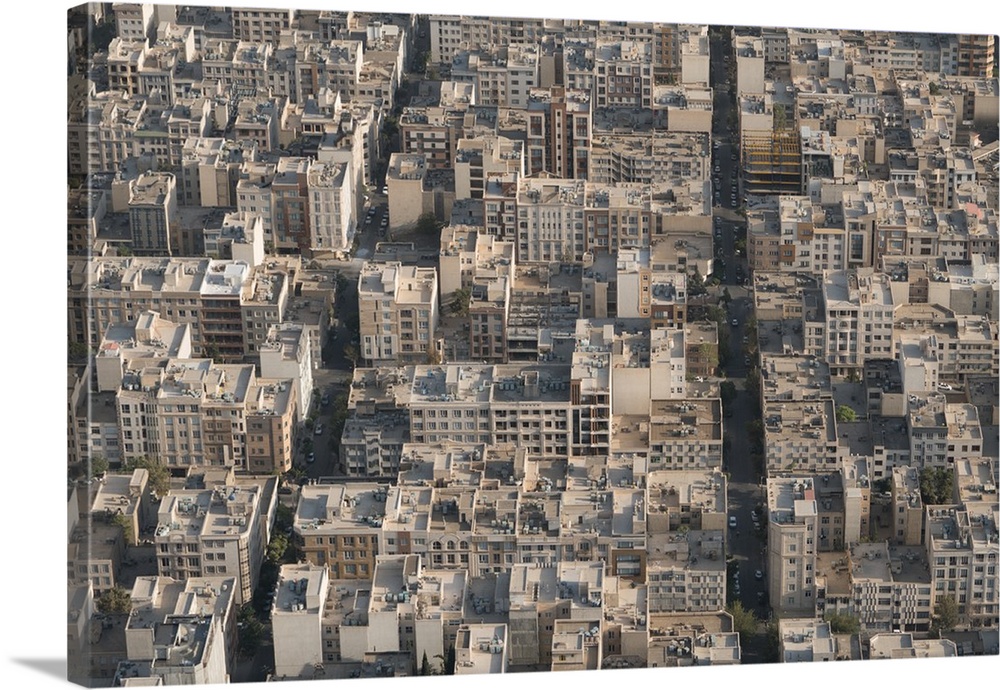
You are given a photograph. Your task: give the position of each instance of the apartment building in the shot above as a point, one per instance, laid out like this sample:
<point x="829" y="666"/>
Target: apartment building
<point x="271" y="422"/>
<point x="152" y="213"/>
<point x="648" y="158"/>
<point x="187" y="413"/>
<point x="692" y="639"/>
<point x="962" y="551"/>
<point x="904" y="646"/>
<point x="793" y="527"/>
<point x="332" y="221"/>
<point x="297" y="619"/>
<point x="859" y="310"/>
<point x="907" y="507"/>
<point x="483" y="167"/>
<point x="258" y="119"/>
<point x="180" y="632"/>
<point x="335" y="66"/>
<point x="222" y="530"/>
<point x="94" y="554"/>
<point x="806" y="639"/>
<point x="127" y="496"/>
<point x="238" y="236"/>
<point x="686" y="569"/>
<point x="800" y="436"/>
<point x="891" y="587"/>
<point x="481" y="648"/>
<point x="558" y="132"/>
<point x="258" y="24"/>
<point x="339" y="526"/>
<point x="623" y="74"/>
<point x="399" y="311"/>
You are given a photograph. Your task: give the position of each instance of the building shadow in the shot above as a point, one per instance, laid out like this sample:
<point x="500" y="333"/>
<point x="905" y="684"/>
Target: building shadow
<point x="50" y="667"/>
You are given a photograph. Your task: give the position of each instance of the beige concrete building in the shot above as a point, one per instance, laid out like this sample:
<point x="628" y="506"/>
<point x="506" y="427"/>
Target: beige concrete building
<point x="904" y="646"/>
<point x="222" y="530"/>
<point x="806" y="639"/>
<point x="793" y="526"/>
<point x="399" y="311"/>
<point x="339" y="526"/>
<point x="271" y="422"/>
<point x="481" y="648"/>
<point x="180" y="632"/>
<point x="286" y="354"/>
<point x="961" y="545"/>
<point x="297" y="620"/>
<point x="152" y="211"/>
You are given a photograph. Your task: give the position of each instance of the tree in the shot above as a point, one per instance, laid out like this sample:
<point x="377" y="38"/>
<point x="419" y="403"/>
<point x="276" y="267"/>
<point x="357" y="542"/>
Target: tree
<point x="123" y="521"/>
<point x="727" y="391"/>
<point x="772" y="648"/>
<point x="845" y="413"/>
<point x="98" y="465"/>
<point x="428" y="224"/>
<point x="460" y="302"/>
<point x="159" y="476"/>
<point x="78" y="351"/>
<point x="251" y="630"/>
<point x="780" y="118"/>
<point x="937" y="485"/>
<point x="351" y="354"/>
<point x="843" y="624"/>
<point x="277" y="547"/>
<point x="425" y="666"/>
<point x="696" y="284"/>
<point x="433" y="355"/>
<point x="212" y="351"/>
<point x="752" y="383"/>
<point x="744" y="621"/>
<point x="115" y="600"/>
<point x="726" y="297"/>
<point x="933" y="89"/>
<point x="945" y="615"/>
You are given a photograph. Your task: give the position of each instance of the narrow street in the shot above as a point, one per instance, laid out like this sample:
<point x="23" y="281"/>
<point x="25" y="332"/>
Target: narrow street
<point x="745" y="493"/>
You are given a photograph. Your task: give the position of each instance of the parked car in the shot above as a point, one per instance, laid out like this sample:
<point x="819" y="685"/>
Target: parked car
<point x="732" y="521"/>
<point x="758" y="575"/>
<point x="319" y="430"/>
<point x="735" y="323"/>
<point x="325" y="400"/>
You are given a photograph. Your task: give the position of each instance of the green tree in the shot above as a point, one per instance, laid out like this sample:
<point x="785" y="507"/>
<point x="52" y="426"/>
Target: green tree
<point x="727" y="391"/>
<point x="843" y="624"/>
<point x="425" y="666"/>
<point x="945" y="615"/>
<point x="780" y="117"/>
<point x="845" y="413"/>
<point x="159" y="476"/>
<point x="277" y="547"/>
<point x="744" y="621"/>
<point x="211" y="351"/>
<point x="115" y="600"/>
<point x="933" y="89"/>
<point x="428" y="224"/>
<point x="937" y="485"/>
<point x="251" y="630"/>
<point x="726" y="297"/>
<point x="78" y="351"/>
<point x="123" y="521"/>
<point x="460" y="302"/>
<point x="772" y="646"/>
<point x="98" y="465"/>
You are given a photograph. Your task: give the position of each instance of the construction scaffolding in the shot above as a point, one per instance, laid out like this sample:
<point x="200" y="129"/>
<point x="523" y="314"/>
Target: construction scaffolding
<point x="772" y="163"/>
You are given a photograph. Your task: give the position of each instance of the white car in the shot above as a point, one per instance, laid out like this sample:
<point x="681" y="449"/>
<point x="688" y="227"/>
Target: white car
<point x="319" y="430"/>
<point x="732" y="521"/>
<point x="944" y="386"/>
<point x="735" y="323"/>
